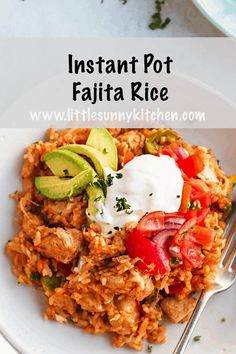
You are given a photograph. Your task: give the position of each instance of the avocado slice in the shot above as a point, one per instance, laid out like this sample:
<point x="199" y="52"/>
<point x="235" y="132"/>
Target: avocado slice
<point x="65" y="163"/>
<point x="95" y="194"/>
<point x="96" y="157"/>
<point x="102" y="140"/>
<point x="57" y="188"/>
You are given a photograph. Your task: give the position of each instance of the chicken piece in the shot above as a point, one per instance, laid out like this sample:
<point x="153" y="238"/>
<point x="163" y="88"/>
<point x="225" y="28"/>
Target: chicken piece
<point x="60" y="244"/>
<point x="124" y="315"/>
<point x="178" y="310"/>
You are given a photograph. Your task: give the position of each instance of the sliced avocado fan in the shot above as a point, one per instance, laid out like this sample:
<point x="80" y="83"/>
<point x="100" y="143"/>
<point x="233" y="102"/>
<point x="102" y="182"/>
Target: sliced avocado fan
<point x="66" y="161"/>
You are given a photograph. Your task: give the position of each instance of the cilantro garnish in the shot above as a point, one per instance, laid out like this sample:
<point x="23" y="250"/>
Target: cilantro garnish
<point x="100" y="183"/>
<point x="174" y="260"/>
<point x="157" y="21"/>
<point x="98" y="198"/>
<point x="66" y="172"/>
<point x="122" y="204"/>
<point x="35" y="276"/>
<point x="109" y="180"/>
<point x="119" y="175"/>
<point x="197" y="338"/>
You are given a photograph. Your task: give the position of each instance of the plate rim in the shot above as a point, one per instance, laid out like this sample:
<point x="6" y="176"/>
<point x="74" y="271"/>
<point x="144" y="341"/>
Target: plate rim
<point x="212" y="19"/>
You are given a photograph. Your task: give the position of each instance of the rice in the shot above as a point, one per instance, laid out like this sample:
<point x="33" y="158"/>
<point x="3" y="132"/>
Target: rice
<point x="99" y="288"/>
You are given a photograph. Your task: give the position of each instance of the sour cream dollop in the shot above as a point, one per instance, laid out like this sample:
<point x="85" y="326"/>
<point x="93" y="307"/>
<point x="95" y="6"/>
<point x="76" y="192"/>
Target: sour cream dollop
<point x="145" y="184"/>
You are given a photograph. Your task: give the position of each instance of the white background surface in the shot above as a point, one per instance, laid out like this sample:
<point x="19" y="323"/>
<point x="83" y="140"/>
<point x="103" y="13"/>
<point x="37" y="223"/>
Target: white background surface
<point x="90" y="18"/>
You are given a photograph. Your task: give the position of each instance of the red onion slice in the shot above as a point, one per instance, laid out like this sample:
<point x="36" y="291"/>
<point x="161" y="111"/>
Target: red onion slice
<point x="171" y="226"/>
<point x="174" y="220"/>
<point x="163" y="236"/>
<point x="181" y="153"/>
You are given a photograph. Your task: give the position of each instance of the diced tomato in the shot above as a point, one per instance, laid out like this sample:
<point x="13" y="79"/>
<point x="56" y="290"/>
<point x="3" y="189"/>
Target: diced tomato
<point x="183" y="230"/>
<point x="191" y="213"/>
<point x="199" y="185"/>
<point x="127" y="158"/>
<point x="203" y="235"/>
<point x="192" y="165"/>
<point x="191" y="253"/>
<point x="152" y="222"/>
<point x="185" y="197"/>
<point x="176" y="288"/>
<point x="154" y="259"/>
<point x="205" y="199"/>
<point x="185" y="177"/>
<point x="169" y="152"/>
<point x="199" y="214"/>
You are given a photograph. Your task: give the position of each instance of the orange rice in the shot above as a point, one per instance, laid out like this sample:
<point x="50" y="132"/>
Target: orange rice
<point x="98" y="287"/>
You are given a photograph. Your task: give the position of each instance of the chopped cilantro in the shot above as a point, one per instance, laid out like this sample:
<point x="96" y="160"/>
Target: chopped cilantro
<point x="157" y="21"/>
<point x="98" y="198"/>
<point x="174" y="260"/>
<point x="216" y="227"/>
<point x="196" y="205"/>
<point x="109" y="180"/>
<point x="149" y="348"/>
<point x="116" y="228"/>
<point x="122" y="204"/>
<point x="100" y="183"/>
<point x="51" y="283"/>
<point x="35" y="276"/>
<point x="66" y="172"/>
<point x="228" y="208"/>
<point x="119" y="175"/>
<point x="197" y="338"/>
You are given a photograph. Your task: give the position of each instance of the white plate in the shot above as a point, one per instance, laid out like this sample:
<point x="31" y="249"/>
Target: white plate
<point x="21" y="306"/>
<point x="221" y="13"/>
